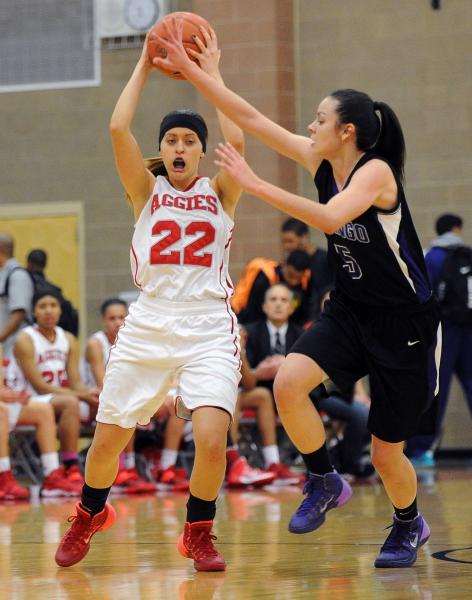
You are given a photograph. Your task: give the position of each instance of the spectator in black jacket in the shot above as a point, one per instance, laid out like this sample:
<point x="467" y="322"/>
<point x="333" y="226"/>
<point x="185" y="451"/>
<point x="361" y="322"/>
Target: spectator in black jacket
<point x="269" y="339"/>
<point x="36" y="264"/>
<point x="293" y="272"/>
<point x="295" y="235"/>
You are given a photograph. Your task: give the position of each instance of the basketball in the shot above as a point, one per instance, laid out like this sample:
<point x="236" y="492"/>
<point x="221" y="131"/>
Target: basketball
<point x="191" y="24"/>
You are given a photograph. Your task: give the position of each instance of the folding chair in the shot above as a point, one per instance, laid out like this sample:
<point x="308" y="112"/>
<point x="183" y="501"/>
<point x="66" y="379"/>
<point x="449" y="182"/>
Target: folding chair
<point x="23" y="454"/>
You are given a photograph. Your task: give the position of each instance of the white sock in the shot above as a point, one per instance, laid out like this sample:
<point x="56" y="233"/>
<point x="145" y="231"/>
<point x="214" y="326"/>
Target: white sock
<point x="271" y="455"/>
<point x="168" y="458"/>
<point x="49" y="462"/>
<point x="5" y="464"/>
<point x="130" y="462"/>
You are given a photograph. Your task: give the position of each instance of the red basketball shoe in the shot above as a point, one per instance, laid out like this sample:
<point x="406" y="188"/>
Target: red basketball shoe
<point x="171" y="478"/>
<point x="10" y="489"/>
<point x="58" y="484"/>
<point x="76" y="541"/>
<point x="74" y="474"/>
<point x="284" y="476"/>
<point x="130" y="482"/>
<point x="197" y="542"/>
<point x="241" y="474"/>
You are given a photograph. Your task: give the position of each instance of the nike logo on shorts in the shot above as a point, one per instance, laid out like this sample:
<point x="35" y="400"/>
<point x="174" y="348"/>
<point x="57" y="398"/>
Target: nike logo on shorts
<point x="413" y="343"/>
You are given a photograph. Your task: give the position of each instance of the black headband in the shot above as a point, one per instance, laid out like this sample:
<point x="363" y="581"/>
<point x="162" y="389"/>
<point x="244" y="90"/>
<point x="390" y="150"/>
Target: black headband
<point x="188" y="119"/>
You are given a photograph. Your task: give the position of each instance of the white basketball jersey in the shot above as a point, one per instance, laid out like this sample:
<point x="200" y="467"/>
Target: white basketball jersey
<point x="85" y="369"/>
<point x="50" y="359"/>
<point x="181" y="242"/>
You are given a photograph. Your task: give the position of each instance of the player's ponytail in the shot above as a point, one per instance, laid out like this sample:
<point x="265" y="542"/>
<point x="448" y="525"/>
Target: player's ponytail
<point x="377" y="126"/>
<point x="390" y="143"/>
<point x="154" y="164"/>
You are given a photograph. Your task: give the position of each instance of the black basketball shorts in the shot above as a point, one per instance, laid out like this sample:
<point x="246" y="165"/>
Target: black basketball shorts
<point x="399" y="352"/>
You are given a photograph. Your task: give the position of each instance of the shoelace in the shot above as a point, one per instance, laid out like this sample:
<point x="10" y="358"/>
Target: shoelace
<point x="203" y="545"/>
<point x="71" y="538"/>
<point x="307" y="505"/>
<point x="398" y="535"/>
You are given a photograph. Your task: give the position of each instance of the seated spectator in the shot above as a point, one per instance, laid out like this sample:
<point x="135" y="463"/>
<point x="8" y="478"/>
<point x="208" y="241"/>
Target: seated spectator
<point x="16" y="293"/>
<point x="260" y="398"/>
<point x="260" y="274"/>
<point x="36" y="262"/>
<point x="269" y="339"/>
<point x="46" y="365"/>
<point x="295" y="235"/>
<point x="17" y="408"/>
<point x="97" y="351"/>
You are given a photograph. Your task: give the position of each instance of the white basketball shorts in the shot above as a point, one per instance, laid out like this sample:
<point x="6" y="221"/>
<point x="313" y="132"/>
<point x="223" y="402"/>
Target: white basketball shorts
<point x="197" y="342"/>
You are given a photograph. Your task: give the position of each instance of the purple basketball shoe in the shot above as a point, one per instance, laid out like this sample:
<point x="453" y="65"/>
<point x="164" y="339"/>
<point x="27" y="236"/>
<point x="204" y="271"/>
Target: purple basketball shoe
<point x="401" y="546"/>
<point x="323" y="492"/>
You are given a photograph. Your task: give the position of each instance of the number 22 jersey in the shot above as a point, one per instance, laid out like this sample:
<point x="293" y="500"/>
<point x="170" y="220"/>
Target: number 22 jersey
<point x="181" y="243"/>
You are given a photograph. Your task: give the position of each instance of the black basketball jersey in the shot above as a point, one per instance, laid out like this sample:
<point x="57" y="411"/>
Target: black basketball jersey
<point x="377" y="257"/>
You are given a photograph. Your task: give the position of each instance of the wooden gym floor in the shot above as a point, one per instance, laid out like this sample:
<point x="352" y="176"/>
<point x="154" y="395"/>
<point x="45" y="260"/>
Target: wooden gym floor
<point x="138" y="559"/>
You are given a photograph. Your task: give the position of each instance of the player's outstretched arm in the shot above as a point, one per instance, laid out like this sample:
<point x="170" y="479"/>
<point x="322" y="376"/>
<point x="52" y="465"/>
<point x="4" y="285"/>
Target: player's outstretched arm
<point x="228" y="190"/>
<point x="136" y="179"/>
<point x="365" y="188"/>
<point x="296" y="147"/>
<point x="208" y="58"/>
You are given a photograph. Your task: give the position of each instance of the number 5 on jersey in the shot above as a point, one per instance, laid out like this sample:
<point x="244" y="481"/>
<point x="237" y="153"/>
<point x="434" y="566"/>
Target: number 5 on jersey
<point x="161" y="255"/>
<point x="350" y="264"/>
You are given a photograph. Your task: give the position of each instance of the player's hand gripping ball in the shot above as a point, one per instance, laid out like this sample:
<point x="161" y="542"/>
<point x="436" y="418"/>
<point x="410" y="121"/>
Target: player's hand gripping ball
<point x="191" y="27"/>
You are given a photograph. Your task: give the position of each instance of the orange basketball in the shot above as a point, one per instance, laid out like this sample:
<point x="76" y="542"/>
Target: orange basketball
<point x="191" y="23"/>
